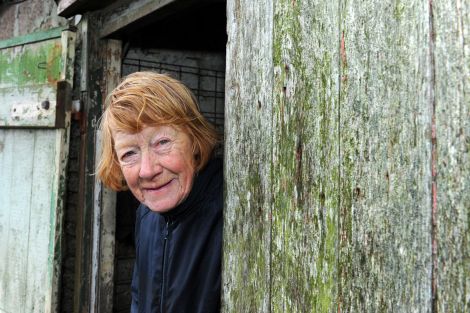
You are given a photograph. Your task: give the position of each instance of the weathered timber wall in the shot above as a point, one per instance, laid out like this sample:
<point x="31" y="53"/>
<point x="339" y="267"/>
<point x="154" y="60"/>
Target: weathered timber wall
<point x="347" y="156"/>
<point x="451" y="65"/>
<point x="304" y="167"/>
<point x="385" y="156"/>
<point x="248" y="156"/>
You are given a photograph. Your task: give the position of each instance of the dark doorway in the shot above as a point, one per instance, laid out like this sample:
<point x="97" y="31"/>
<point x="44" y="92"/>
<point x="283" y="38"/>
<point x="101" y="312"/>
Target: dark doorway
<point x="188" y="44"/>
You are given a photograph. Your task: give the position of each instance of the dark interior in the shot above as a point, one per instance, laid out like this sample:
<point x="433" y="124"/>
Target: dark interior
<point x="197" y="27"/>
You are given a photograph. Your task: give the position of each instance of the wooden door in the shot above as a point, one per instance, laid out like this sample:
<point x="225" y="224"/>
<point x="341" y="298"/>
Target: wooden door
<point x="35" y="83"/>
<point x="347" y="161"/>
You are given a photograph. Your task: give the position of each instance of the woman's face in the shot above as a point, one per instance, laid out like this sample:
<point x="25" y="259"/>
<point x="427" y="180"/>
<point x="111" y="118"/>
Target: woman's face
<point x="158" y="165"/>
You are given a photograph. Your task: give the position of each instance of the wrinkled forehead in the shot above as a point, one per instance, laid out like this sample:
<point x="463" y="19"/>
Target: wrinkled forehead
<point x="147" y="133"/>
<point x="144" y="129"/>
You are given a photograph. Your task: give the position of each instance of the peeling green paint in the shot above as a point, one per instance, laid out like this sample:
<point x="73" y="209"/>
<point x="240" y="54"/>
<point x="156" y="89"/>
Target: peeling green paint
<point x="31" y="38"/>
<point x="26" y="65"/>
<point x="28" y="74"/>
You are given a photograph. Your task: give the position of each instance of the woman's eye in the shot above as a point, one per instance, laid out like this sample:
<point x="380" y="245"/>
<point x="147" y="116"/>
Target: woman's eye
<point x="127" y="155"/>
<point x="162" y="145"/>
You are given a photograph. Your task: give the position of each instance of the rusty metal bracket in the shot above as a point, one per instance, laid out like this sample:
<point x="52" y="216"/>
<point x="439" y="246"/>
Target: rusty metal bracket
<point x="64" y="102"/>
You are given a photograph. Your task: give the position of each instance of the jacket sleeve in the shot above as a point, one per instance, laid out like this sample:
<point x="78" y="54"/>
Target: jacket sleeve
<point x="135" y="290"/>
<point x="135" y="275"/>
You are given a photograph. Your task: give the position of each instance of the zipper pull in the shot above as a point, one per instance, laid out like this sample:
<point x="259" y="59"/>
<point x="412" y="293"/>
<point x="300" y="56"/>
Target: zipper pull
<point x="167" y="229"/>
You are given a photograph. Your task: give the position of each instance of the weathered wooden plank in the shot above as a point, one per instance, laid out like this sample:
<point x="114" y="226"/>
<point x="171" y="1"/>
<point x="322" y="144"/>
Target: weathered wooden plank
<point x="15" y="211"/>
<point x="36" y="161"/>
<point x="30" y="219"/>
<point x="248" y="148"/>
<point x="105" y="199"/>
<point x="84" y="230"/>
<point x="31" y="37"/>
<point x="132" y="14"/>
<point x="64" y="6"/>
<point x="385" y="206"/>
<point x="28" y="78"/>
<point x="42" y="246"/>
<point x="401" y="240"/>
<point x="5" y="195"/>
<point x="92" y="97"/>
<point x="305" y="156"/>
<point x="69" y="8"/>
<point x="451" y="25"/>
<point x="119" y="16"/>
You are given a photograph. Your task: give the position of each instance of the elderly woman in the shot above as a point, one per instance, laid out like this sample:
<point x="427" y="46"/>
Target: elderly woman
<point x="157" y="144"/>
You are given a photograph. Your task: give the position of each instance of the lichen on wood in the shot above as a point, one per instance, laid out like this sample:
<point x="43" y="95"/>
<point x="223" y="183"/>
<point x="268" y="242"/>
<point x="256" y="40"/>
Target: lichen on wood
<point x="248" y="144"/>
<point x="385" y="156"/>
<point x="305" y="150"/>
<point x="451" y="22"/>
<point x="345" y="157"/>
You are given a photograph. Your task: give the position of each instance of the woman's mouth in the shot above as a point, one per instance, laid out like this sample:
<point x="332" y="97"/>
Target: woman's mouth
<point x="158" y="188"/>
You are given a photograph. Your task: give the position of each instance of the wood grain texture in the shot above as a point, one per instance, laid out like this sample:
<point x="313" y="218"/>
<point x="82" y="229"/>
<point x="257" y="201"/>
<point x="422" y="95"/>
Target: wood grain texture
<point x="104" y="241"/>
<point x="119" y="15"/>
<point x="32" y="168"/>
<point x="305" y="172"/>
<point x="248" y="142"/>
<point x="92" y="97"/>
<point x="30" y="216"/>
<point x="28" y="77"/>
<point x="369" y="167"/>
<point x="385" y="157"/>
<point x="451" y="21"/>
<point x="15" y="219"/>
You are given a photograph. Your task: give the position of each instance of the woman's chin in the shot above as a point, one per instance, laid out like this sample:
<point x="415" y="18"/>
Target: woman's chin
<point x="161" y="205"/>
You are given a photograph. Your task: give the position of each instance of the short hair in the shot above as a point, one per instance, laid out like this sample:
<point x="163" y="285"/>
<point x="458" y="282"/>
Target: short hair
<point x="145" y="99"/>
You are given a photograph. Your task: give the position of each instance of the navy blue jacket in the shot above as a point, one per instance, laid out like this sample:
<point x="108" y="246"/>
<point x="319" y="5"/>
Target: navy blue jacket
<point x="178" y="253"/>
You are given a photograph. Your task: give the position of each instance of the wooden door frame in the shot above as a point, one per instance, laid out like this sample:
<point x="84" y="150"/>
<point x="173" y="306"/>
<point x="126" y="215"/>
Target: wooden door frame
<point x="104" y="209"/>
<point x="95" y="242"/>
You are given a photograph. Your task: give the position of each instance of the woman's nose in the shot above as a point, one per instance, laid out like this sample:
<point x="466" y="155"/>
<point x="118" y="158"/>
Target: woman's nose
<point x="149" y="166"/>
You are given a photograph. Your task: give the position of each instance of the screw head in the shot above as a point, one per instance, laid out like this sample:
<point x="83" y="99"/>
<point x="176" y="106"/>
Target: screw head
<point x="45" y="104"/>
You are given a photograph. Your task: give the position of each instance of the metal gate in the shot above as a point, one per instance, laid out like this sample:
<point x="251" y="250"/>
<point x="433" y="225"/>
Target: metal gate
<point x="206" y="84"/>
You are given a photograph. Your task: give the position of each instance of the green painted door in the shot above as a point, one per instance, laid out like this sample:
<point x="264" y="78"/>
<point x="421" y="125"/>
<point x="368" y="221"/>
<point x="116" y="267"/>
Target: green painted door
<point x="35" y="82"/>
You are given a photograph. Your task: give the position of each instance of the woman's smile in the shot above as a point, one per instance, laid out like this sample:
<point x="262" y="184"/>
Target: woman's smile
<point x="159" y="189"/>
<point x="156" y="187"/>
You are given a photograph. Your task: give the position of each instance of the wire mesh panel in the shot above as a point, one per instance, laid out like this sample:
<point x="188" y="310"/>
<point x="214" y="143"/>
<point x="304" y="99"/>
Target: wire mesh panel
<point x="206" y="84"/>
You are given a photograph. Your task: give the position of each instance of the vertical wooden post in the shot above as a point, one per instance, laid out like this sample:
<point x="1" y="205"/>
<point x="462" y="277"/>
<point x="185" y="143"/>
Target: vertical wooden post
<point x="92" y="98"/>
<point x="385" y="157"/>
<point x="248" y="157"/>
<point x="305" y="167"/>
<point x="451" y="29"/>
<point x="105" y="201"/>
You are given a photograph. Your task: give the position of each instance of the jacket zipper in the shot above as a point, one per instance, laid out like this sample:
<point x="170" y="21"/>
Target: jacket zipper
<point x="165" y="240"/>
